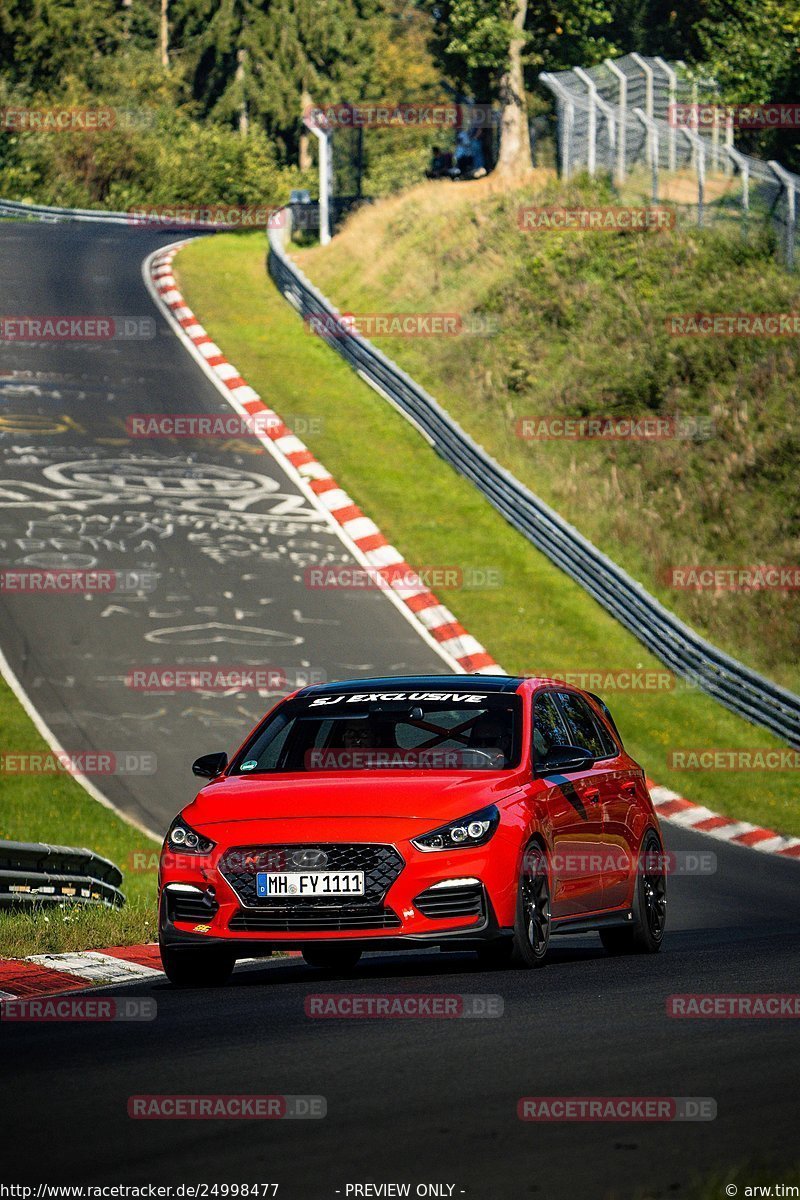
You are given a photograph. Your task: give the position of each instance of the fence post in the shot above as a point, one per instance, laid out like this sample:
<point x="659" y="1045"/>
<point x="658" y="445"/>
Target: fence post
<point x="608" y="112"/>
<point x="566" y="121"/>
<point x="694" y="121"/>
<point x="622" y="111"/>
<point x="728" y="138"/>
<point x="652" y="140"/>
<point x="672" y="81"/>
<point x="744" y="167"/>
<point x="648" y="90"/>
<point x="591" y="153"/>
<point x="700" y="156"/>
<point x="787" y="180"/>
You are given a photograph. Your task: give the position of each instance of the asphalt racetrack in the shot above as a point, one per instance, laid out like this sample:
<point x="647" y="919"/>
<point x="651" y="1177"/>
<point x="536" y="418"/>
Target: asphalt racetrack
<point x="422" y="1101"/>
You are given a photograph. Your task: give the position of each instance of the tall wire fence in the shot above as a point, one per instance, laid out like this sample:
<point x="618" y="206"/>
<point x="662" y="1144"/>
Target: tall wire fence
<point x="642" y="121"/>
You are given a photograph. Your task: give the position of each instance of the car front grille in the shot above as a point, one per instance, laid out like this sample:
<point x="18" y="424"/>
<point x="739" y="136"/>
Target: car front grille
<point x="307" y="917"/>
<point x="442" y="902"/>
<point x="381" y="866"/>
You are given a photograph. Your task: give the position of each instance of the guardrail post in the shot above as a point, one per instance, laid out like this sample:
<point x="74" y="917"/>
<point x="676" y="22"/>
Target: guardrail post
<point x="788" y="182"/>
<point x="622" y="111"/>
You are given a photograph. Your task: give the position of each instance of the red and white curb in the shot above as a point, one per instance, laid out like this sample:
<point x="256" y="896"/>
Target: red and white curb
<point x="433" y="620"/>
<point x="43" y="975"/>
<point x="55" y="974"/>
<point x="699" y="819"/>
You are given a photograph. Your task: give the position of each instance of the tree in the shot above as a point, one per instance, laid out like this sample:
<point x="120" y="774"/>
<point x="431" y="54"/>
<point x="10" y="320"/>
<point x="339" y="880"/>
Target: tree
<point x="254" y="61"/>
<point x="753" y="52"/>
<point x="494" y="49"/>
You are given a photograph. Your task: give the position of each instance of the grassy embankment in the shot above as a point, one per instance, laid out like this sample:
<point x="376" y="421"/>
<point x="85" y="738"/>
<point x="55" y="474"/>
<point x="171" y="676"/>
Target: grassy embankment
<point x="537" y="620"/>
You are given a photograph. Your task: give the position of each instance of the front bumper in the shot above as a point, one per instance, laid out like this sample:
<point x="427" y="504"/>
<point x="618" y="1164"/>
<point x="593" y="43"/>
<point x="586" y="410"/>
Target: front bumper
<point x="411" y="897"/>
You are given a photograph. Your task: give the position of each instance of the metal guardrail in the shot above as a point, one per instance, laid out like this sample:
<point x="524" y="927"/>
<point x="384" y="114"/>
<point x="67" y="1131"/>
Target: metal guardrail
<point x="36" y="873"/>
<point x="680" y="648"/>
<point x="44" y="212"/>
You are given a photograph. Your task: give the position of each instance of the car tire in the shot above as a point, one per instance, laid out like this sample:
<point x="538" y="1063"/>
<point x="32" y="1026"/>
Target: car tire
<point x="190" y="966"/>
<point x="646" y="933"/>
<point x="533" y="918"/>
<point x="332" y="958"/>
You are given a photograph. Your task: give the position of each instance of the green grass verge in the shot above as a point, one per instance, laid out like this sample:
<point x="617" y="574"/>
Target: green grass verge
<point x="538" y="621"/>
<point x="582" y="321"/>
<point x="49" y="808"/>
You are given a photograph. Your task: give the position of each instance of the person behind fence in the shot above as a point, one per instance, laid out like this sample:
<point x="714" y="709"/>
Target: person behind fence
<point x="463" y="152"/>
<point x="476" y="150"/>
<point x="441" y="163"/>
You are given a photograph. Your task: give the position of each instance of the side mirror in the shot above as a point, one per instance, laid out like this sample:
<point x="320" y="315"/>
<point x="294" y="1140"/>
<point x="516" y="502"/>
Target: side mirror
<point x="560" y="759"/>
<point x="209" y="766"/>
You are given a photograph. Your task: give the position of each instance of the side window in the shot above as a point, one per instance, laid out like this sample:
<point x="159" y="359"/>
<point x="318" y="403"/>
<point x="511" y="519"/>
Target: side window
<point x="580" y="724"/>
<point x="610" y="747"/>
<point x="548" y="729"/>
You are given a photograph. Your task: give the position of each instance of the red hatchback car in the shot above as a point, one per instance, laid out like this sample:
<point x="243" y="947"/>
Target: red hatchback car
<point x="481" y="812"/>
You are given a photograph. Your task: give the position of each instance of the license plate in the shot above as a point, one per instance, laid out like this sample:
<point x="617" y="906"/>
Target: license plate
<point x="309" y="883"/>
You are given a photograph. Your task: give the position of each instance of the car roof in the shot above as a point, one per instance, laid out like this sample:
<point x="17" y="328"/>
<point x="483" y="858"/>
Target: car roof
<point x="404" y="683"/>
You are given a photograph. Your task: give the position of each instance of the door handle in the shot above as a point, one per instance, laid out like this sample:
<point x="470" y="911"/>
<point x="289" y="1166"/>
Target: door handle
<point x="629" y="789"/>
<point x="592" y="795"/>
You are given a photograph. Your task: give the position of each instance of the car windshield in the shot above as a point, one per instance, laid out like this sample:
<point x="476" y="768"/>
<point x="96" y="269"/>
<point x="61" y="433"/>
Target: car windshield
<point x="414" y="730"/>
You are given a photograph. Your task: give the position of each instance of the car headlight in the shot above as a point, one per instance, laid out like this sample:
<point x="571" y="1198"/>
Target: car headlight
<point x="474" y="830"/>
<point x="182" y="837"/>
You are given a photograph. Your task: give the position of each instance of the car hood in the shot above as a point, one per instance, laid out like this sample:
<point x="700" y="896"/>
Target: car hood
<point x="415" y="796"/>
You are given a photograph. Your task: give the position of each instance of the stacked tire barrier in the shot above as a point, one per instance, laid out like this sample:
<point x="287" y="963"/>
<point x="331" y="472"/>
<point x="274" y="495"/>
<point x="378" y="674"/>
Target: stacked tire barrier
<point x="36" y="873"/>
<point x="680" y="648"/>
